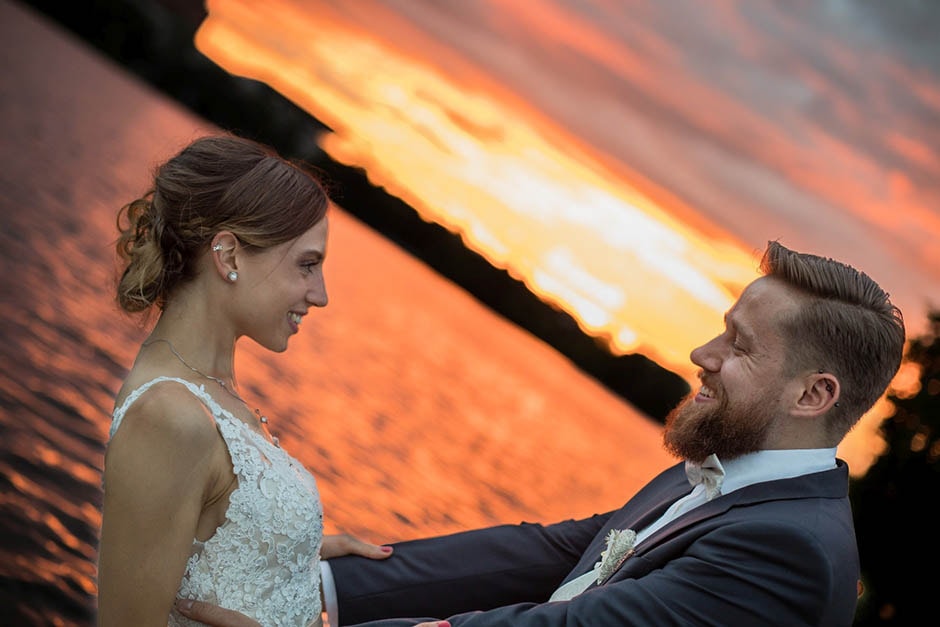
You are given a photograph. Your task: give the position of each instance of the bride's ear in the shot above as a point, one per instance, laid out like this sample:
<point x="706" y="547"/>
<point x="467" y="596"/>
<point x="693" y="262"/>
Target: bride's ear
<point x="224" y="249"/>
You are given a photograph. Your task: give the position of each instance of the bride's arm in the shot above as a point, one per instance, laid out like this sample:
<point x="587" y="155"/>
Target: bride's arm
<point x="345" y="544"/>
<point x="213" y="615"/>
<point x="338" y="546"/>
<point x="159" y="467"/>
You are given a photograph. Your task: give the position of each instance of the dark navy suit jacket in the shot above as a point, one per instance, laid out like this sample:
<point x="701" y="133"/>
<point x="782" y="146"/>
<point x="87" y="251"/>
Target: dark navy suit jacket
<point x="775" y="553"/>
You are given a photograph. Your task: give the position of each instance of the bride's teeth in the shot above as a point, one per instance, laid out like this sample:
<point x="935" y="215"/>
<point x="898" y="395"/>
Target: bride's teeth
<point x="295" y="318"/>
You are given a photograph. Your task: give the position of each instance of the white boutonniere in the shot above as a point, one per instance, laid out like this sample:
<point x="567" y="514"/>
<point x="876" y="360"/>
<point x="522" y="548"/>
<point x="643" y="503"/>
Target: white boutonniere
<point x="619" y="547"/>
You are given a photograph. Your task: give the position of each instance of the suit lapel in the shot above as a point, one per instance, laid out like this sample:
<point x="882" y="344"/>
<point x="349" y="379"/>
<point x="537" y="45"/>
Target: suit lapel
<point x="830" y="483"/>
<point x="652" y="501"/>
<point x="646" y="506"/>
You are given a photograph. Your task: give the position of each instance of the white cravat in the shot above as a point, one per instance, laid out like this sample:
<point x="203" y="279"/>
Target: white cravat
<point x="709" y="473"/>
<point x="710" y="479"/>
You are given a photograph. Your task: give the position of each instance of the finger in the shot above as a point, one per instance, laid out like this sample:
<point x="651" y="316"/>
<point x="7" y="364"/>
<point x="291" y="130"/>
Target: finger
<point x="373" y="551"/>
<point x="213" y="615"/>
<point x="354" y="546"/>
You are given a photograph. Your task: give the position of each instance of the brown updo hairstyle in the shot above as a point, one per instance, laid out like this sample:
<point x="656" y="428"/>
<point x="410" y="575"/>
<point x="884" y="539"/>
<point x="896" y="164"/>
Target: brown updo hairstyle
<point x="216" y="183"/>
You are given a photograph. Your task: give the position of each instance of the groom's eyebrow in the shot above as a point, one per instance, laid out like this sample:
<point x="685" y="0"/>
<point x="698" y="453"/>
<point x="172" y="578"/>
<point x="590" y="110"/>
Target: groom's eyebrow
<point x="739" y="330"/>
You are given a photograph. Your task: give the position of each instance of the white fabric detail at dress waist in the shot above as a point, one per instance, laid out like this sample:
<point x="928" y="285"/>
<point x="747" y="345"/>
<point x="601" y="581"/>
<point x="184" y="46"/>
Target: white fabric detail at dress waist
<point x="328" y="589"/>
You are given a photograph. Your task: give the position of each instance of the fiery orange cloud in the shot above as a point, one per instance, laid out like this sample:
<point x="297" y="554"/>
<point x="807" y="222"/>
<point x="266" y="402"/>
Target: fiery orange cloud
<point x="542" y="208"/>
<point x="604" y="160"/>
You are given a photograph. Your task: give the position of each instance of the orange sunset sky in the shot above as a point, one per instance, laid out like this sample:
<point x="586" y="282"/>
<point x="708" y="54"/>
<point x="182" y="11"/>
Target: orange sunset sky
<point x="628" y="161"/>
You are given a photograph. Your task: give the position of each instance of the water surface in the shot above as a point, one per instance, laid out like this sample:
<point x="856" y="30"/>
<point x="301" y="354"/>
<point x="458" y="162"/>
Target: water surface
<point x="418" y="410"/>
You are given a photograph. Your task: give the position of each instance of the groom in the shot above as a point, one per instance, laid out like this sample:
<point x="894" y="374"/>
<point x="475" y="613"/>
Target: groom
<point x="754" y="527"/>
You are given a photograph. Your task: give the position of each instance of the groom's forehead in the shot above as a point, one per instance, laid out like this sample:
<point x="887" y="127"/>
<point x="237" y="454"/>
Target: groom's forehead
<point x="764" y="303"/>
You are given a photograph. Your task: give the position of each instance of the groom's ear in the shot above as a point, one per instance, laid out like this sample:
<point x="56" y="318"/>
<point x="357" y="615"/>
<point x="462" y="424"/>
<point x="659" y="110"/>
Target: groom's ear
<point x="818" y="394"/>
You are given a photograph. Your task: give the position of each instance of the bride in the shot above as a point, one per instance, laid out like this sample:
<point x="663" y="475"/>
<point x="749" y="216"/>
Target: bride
<point x="200" y="501"/>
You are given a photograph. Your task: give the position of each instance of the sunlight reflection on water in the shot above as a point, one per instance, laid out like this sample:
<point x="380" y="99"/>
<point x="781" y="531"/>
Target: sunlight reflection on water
<point x="418" y="410"/>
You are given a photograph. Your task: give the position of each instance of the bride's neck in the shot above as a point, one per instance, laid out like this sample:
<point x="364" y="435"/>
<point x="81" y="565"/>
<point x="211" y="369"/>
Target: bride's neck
<point x="201" y="341"/>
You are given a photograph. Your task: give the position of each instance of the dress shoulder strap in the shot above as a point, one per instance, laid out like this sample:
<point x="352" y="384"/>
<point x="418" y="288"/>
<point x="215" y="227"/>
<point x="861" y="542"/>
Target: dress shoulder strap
<point x="198" y="391"/>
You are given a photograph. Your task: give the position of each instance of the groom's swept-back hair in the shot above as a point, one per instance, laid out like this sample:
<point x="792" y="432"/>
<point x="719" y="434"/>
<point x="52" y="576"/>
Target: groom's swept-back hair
<point x="846" y="325"/>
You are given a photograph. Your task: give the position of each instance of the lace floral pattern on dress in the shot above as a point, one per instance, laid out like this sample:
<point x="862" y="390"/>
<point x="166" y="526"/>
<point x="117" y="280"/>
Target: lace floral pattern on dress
<point x="264" y="560"/>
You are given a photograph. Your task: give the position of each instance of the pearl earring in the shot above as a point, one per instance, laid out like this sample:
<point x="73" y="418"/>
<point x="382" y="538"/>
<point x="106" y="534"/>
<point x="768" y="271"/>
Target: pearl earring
<point x="232" y="276"/>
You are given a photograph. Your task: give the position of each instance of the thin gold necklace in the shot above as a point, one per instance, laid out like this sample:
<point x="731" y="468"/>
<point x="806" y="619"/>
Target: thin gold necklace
<point x="261" y="417"/>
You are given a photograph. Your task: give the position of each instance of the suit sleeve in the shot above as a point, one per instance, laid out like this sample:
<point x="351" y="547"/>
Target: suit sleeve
<point x="472" y="570"/>
<point x="767" y="573"/>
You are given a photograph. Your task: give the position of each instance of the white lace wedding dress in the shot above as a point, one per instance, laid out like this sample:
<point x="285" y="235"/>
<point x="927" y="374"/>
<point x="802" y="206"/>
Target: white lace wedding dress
<point x="264" y="560"/>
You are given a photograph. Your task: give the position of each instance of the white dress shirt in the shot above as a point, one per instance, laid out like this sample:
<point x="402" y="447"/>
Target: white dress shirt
<point x="747" y="470"/>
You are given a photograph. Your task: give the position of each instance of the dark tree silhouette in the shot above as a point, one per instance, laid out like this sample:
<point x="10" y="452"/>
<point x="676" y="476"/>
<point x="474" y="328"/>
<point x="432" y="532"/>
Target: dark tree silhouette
<point x="894" y="501"/>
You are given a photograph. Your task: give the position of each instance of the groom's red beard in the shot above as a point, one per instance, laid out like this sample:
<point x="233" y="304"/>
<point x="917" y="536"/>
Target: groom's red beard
<point x="694" y="430"/>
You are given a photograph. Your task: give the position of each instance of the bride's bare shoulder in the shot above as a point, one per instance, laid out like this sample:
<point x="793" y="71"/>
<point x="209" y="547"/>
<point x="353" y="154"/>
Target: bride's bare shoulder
<point x="166" y="408"/>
